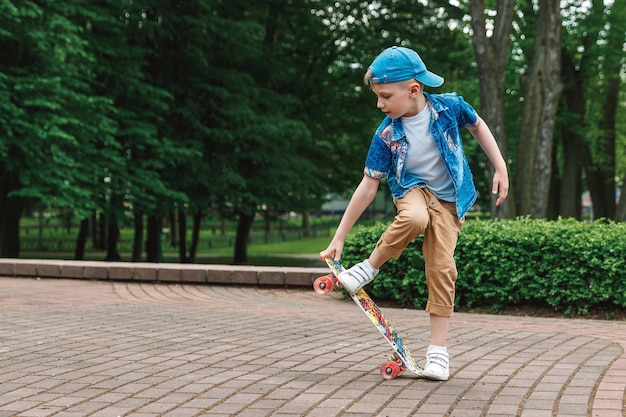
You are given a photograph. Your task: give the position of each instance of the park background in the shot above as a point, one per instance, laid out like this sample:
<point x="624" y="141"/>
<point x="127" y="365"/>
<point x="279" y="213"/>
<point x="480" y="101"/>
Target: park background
<point x="197" y="131"/>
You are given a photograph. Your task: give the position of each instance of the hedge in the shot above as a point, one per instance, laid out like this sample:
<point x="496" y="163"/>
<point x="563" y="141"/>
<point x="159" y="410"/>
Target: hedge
<point x="568" y="266"/>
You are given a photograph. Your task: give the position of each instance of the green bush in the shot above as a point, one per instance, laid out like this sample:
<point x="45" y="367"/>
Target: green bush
<point x="568" y="266"/>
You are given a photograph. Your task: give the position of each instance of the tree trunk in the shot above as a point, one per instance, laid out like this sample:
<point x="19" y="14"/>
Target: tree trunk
<point x="599" y="165"/>
<point x="182" y="232"/>
<point x="241" y="241"/>
<point x="306" y="223"/>
<point x="527" y="146"/>
<point x="10" y="213"/>
<point x="113" y="234"/>
<point x="95" y="231"/>
<point x="173" y="220"/>
<point x="13" y="227"/>
<point x="491" y="56"/>
<point x="604" y="204"/>
<point x="153" y="242"/>
<point x="269" y="225"/>
<point x="541" y="89"/>
<point x="137" y="236"/>
<point x="102" y="234"/>
<point x="608" y="125"/>
<point x="554" y="192"/>
<point x="571" y="186"/>
<point x="576" y="153"/>
<point x="195" y="235"/>
<point x="81" y="240"/>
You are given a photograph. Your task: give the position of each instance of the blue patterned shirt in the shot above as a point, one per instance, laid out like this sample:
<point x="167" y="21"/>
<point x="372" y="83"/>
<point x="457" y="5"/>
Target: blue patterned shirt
<point x="387" y="153"/>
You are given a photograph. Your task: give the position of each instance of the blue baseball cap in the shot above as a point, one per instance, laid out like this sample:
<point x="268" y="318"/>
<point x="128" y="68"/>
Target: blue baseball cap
<point x="397" y="63"/>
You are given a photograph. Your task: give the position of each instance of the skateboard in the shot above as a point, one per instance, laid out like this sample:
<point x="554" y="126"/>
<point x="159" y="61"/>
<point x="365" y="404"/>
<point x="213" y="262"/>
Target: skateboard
<point x="401" y="360"/>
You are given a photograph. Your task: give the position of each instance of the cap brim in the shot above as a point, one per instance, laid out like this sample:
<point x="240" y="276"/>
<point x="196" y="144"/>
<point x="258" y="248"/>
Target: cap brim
<point x="431" y="79"/>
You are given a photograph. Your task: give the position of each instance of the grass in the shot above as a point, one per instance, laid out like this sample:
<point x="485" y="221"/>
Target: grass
<point x="300" y="252"/>
<point x="271" y="254"/>
<point x="293" y="247"/>
<point x="292" y="253"/>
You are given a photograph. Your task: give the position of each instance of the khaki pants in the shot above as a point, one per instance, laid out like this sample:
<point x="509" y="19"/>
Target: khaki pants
<point x="421" y="212"/>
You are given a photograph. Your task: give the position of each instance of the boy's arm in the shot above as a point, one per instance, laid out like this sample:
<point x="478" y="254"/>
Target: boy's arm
<point x="361" y="199"/>
<point x="500" y="184"/>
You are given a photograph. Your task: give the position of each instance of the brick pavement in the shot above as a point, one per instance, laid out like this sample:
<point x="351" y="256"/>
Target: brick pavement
<point x="142" y="348"/>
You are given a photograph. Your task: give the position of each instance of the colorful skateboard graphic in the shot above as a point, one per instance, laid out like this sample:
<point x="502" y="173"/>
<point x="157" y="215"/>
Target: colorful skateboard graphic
<point x="401" y="359"/>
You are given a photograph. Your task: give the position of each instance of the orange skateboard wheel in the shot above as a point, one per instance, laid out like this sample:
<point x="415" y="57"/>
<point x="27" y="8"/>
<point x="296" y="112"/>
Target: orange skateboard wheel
<point x="390" y="370"/>
<point x="324" y="285"/>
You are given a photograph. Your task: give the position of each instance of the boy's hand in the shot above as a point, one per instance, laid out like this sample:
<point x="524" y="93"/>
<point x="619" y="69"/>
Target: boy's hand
<point x="500" y="186"/>
<point x="333" y="250"/>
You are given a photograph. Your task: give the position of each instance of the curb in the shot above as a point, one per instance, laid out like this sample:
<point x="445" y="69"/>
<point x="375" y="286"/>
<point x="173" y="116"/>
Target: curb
<point x="160" y="272"/>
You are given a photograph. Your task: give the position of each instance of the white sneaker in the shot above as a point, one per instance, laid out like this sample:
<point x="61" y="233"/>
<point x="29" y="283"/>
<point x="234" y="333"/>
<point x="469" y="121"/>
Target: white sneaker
<point x="358" y="276"/>
<point x="437" y="363"/>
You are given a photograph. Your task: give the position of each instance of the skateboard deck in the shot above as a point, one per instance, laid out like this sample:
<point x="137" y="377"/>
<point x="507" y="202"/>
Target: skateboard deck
<point x="401" y="359"/>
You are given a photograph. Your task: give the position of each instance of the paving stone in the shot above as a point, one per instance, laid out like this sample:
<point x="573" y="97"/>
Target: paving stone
<point x="153" y="341"/>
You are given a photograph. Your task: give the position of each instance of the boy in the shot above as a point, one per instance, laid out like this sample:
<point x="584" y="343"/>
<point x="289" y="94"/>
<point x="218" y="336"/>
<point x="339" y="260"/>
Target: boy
<point x="418" y="148"/>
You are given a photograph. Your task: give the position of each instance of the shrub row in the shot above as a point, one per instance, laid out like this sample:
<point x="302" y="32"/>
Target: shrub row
<point x="568" y="266"/>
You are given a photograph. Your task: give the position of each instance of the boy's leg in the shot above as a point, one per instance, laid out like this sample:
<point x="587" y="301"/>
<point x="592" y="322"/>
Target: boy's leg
<point x="439" y="244"/>
<point x="438" y="248"/>
<point x="410" y="221"/>
<point x="439" y="330"/>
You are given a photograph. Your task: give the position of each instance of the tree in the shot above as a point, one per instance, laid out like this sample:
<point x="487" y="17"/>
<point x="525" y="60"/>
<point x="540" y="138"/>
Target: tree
<point x="51" y="120"/>
<point x="268" y="165"/>
<point x="541" y="88"/>
<point x="492" y="52"/>
<point x="601" y="174"/>
<point x="592" y="61"/>
<point x="579" y="54"/>
<point x="145" y="110"/>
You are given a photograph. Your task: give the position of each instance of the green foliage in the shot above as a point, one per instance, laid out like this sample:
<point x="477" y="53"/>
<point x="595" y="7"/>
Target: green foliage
<point x="51" y="118"/>
<point x="126" y="107"/>
<point x="569" y="266"/>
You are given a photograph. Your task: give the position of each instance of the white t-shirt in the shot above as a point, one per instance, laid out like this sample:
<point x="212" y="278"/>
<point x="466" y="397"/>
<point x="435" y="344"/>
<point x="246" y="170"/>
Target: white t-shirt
<point x="423" y="159"/>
